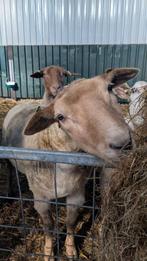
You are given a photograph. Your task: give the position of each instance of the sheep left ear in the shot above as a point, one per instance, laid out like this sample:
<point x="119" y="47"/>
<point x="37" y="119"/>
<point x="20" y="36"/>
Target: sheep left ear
<point x="120" y="75"/>
<point x="38" y="74"/>
<point x="41" y="120"/>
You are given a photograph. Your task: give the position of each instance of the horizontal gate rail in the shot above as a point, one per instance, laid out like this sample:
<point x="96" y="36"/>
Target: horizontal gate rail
<point x="82" y="159"/>
<point x="23" y="225"/>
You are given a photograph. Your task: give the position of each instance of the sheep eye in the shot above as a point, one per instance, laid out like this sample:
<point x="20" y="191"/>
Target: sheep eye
<point x="60" y="117"/>
<point x="110" y="86"/>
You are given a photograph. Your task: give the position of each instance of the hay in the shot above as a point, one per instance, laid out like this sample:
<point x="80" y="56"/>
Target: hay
<point x="23" y="247"/>
<point x="5" y="106"/>
<point x="120" y="231"/>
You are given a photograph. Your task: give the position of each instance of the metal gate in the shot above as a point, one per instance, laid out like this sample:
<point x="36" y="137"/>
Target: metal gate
<point x="81" y="159"/>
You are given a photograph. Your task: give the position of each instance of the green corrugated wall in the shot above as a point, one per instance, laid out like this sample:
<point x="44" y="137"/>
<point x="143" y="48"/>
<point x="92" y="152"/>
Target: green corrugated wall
<point x="89" y="60"/>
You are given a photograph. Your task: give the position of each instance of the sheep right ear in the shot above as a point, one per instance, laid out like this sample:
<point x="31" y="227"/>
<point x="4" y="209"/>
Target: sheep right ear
<point x="41" y="120"/>
<point x="38" y="74"/>
<point x="118" y="76"/>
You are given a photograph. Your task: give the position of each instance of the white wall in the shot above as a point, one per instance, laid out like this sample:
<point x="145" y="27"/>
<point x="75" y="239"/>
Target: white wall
<point x="56" y="22"/>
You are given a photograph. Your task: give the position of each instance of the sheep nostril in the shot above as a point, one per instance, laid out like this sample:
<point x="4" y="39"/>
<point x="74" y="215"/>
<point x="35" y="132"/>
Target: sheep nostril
<point x="125" y="146"/>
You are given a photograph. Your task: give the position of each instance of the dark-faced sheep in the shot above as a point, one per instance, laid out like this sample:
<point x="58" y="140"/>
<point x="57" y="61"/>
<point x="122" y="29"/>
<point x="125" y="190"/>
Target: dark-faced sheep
<point x="53" y="77"/>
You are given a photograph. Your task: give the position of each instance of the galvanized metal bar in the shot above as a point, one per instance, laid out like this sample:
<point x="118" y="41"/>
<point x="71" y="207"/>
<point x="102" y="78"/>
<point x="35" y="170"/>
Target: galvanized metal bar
<point x="52" y="202"/>
<point x="56" y="211"/>
<point x="93" y="209"/>
<point x="21" y="205"/>
<point x="50" y="156"/>
<point x="28" y="228"/>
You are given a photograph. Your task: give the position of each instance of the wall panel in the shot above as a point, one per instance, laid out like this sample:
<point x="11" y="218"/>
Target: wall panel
<point x="72" y="22"/>
<point x="88" y="60"/>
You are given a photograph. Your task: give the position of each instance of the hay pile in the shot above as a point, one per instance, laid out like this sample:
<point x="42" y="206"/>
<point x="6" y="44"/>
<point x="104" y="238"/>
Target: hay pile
<point x="22" y="247"/>
<point x="120" y="230"/>
<point x="5" y="106"/>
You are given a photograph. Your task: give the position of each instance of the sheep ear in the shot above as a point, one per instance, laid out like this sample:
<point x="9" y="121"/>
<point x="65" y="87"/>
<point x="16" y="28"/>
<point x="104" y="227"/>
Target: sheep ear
<point x="38" y="74"/>
<point x="41" y="120"/>
<point x="120" y="75"/>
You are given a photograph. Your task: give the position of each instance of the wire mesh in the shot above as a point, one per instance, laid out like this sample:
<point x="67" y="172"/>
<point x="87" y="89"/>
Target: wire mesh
<point x="29" y="228"/>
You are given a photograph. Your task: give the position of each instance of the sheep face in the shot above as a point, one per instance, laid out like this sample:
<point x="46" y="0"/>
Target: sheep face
<point x="53" y="77"/>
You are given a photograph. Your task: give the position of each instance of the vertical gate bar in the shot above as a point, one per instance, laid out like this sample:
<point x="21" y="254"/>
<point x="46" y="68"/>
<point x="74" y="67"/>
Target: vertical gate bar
<point x="57" y="213"/>
<point x="93" y="208"/>
<point x="21" y="202"/>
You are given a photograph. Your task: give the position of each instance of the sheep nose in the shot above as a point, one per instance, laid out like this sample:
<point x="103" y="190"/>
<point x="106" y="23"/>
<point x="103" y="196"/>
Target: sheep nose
<point x="125" y="146"/>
